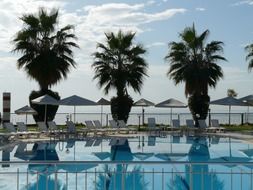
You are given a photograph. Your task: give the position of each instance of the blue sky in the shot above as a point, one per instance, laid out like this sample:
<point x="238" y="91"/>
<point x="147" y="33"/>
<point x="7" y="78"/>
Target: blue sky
<point x="156" y="22"/>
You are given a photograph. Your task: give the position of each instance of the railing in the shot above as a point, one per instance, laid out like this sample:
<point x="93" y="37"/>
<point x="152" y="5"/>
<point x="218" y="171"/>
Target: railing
<point x="126" y="175"/>
<point x="136" y="118"/>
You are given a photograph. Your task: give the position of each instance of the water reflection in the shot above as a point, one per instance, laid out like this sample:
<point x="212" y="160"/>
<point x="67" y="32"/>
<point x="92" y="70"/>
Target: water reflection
<point x="197" y="176"/>
<point x="116" y="177"/>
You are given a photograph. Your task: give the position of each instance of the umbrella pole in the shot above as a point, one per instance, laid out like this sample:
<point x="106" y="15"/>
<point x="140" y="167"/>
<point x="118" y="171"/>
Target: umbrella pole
<point x="45" y="116"/>
<point x="248" y="115"/>
<point x="74" y="114"/>
<point x="229" y="111"/>
<point x="170" y="116"/>
<point x="143" y="116"/>
<point x="26" y="119"/>
<point x="101" y="115"/>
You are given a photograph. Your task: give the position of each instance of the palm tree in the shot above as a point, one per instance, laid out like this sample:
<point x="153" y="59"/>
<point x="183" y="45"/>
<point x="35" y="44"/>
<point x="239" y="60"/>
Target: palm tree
<point x="231" y="93"/>
<point x="46" y="51"/>
<point x="119" y="64"/>
<point x="194" y="62"/>
<point x="249" y="57"/>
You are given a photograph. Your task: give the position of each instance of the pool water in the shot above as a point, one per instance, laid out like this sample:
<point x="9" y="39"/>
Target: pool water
<point x="144" y="176"/>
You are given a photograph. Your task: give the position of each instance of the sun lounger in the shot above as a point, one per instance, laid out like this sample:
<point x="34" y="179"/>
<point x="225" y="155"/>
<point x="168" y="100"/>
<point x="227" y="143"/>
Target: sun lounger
<point x="215" y="124"/>
<point x="175" y="124"/>
<point x="52" y="126"/>
<point x="10" y="127"/>
<point x="22" y="128"/>
<point x="12" y="130"/>
<point x="190" y="127"/>
<point x="202" y="125"/>
<point x="114" y="126"/>
<point x="123" y="126"/>
<point x="190" y="124"/>
<point x="99" y="127"/>
<point x="71" y="129"/>
<point x="42" y="127"/>
<point x="90" y="126"/>
<point x="152" y="125"/>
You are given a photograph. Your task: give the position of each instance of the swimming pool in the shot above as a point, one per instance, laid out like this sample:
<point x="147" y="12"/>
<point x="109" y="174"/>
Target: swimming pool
<point x="140" y="162"/>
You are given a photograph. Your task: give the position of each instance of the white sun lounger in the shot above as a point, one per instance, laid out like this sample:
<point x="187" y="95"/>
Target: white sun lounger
<point x="10" y="127"/>
<point x="123" y="126"/>
<point x="53" y="128"/>
<point x="190" y="127"/>
<point x="22" y="128"/>
<point x="71" y="129"/>
<point x="42" y="127"/>
<point x="203" y="126"/>
<point x="215" y="124"/>
<point x="12" y="130"/>
<point x="90" y="126"/>
<point x="175" y="124"/>
<point x="114" y="126"/>
<point x="152" y="125"/>
<point x="99" y="127"/>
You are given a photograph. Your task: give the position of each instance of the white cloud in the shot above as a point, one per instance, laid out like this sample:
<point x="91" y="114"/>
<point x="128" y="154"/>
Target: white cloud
<point x="11" y="11"/>
<point x="200" y="9"/>
<point x="246" y="2"/>
<point x="90" y="24"/>
<point x="96" y="20"/>
<point x="156" y="44"/>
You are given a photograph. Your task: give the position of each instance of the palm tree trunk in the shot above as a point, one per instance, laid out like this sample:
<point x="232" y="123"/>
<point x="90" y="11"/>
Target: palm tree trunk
<point x="199" y="105"/>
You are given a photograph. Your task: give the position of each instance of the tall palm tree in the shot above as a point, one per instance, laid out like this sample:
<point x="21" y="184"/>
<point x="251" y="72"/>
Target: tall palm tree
<point x="119" y="64"/>
<point x="46" y="50"/>
<point x="194" y="62"/>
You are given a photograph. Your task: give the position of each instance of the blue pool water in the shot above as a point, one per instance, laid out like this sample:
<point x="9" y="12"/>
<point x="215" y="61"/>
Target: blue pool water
<point x="144" y="176"/>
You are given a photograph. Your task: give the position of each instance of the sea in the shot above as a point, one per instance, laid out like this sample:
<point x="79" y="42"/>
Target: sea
<point x="136" y="118"/>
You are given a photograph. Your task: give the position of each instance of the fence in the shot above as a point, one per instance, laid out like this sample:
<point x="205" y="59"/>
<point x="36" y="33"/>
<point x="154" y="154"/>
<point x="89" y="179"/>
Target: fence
<point x="136" y="118"/>
<point x="126" y="175"/>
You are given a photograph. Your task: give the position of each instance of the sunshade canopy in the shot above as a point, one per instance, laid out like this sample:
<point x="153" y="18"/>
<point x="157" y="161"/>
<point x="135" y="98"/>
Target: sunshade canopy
<point x="45" y="100"/>
<point x="171" y="103"/>
<point x="143" y="102"/>
<point x="76" y="101"/>
<point x="247" y="99"/>
<point x="229" y="101"/>
<point x="103" y="101"/>
<point x="26" y="110"/>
